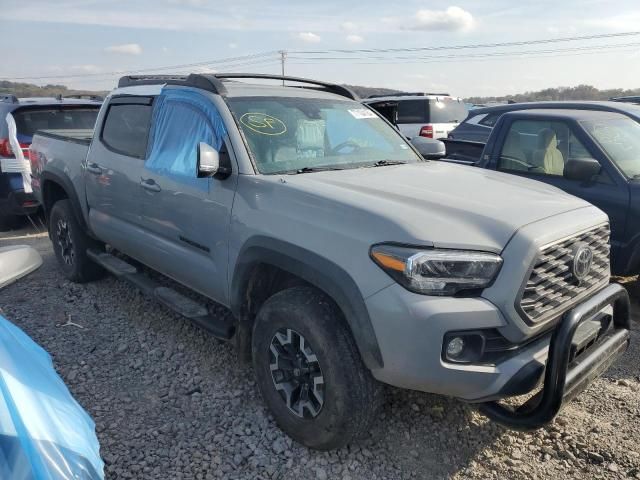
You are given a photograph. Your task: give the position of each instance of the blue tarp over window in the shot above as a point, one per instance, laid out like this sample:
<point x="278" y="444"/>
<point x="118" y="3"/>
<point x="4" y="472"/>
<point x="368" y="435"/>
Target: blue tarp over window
<point x="44" y="433"/>
<point x="182" y="118"/>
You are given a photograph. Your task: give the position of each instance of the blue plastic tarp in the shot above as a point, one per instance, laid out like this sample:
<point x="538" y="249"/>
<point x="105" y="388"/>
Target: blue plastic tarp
<point x="44" y="433"/>
<point x="182" y="118"/>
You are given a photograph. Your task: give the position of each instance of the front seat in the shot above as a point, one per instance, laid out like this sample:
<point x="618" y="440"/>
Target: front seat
<point x="513" y="156"/>
<point x="547" y="157"/>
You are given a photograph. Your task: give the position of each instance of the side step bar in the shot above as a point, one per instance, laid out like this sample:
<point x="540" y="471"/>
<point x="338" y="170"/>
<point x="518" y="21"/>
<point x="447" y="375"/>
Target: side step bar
<point x="197" y="313"/>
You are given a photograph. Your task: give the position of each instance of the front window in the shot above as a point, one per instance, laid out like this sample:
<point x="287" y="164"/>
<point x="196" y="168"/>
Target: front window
<point x="620" y="139"/>
<point x="286" y="134"/>
<point x="540" y="147"/>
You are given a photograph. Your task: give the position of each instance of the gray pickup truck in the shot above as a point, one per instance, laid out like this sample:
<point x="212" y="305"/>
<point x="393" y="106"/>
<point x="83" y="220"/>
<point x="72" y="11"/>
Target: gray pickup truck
<point x="347" y="260"/>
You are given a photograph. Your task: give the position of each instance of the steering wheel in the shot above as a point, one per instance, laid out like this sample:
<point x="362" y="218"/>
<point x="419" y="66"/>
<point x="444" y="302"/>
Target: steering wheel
<point x="348" y="143"/>
<point x="525" y="165"/>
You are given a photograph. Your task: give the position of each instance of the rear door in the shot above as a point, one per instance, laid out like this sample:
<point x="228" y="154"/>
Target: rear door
<point x="529" y="146"/>
<point x="114" y="169"/>
<point x="444" y="114"/>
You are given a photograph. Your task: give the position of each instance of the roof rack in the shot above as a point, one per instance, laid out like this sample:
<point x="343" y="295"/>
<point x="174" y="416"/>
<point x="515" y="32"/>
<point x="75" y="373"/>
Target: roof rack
<point x="9" y="99"/>
<point x="409" y="94"/>
<point x="213" y="82"/>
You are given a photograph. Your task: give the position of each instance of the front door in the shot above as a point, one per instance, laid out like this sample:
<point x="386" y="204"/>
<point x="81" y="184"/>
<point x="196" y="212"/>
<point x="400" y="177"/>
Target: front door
<point x="539" y="148"/>
<point x="186" y="218"/>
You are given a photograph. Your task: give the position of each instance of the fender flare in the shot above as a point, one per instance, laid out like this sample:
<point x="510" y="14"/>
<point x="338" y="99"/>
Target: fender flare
<point x="317" y="271"/>
<point x="66" y="185"/>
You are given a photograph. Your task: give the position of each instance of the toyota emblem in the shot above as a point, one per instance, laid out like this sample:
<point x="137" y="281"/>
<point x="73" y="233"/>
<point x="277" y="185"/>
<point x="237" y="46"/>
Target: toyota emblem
<point x="581" y="264"/>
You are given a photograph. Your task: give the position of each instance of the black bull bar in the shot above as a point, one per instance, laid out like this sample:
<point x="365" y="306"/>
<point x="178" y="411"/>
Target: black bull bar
<point x="564" y="379"/>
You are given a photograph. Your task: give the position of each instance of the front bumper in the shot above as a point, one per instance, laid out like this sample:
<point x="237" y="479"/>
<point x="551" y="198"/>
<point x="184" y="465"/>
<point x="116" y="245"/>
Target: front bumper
<point x="564" y="379"/>
<point x="411" y="328"/>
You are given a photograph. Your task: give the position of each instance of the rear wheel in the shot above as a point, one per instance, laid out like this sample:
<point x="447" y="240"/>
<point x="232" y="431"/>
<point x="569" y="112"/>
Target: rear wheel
<point x="70" y="244"/>
<point x="309" y="370"/>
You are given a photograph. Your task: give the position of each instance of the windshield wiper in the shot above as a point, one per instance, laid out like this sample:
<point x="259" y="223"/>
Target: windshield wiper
<point x="384" y="163"/>
<point x="315" y="169"/>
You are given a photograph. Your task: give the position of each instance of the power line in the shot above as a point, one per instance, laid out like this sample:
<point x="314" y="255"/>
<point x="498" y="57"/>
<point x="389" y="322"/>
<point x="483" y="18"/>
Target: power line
<point x="468" y="55"/>
<point x="392" y="61"/>
<point x="150" y="69"/>
<point x="476" y="45"/>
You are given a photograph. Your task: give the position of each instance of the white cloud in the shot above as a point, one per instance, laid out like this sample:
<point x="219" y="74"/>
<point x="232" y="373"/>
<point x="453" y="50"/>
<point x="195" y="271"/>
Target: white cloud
<point x="309" y="37"/>
<point x="126" y="49"/>
<point x="452" y="19"/>
<point x="349" y="26"/>
<point x="353" y="38"/>
<point x="232" y="45"/>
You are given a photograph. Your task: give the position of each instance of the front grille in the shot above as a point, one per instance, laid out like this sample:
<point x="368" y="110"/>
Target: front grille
<point x="551" y="288"/>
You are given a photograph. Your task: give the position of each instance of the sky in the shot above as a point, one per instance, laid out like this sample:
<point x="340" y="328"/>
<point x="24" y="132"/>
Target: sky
<point x="86" y="43"/>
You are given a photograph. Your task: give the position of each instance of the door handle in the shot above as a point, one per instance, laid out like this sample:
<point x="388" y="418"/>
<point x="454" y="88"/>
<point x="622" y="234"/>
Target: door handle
<point x="150" y="184"/>
<point x="94" y="168"/>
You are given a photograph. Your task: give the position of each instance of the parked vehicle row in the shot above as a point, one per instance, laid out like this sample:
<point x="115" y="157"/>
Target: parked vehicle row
<point x="429" y="115"/>
<point x="346" y="259"/>
<point x="29" y="115"/>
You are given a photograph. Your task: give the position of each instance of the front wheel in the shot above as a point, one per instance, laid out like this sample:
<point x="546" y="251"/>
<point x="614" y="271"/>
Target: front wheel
<point x="309" y="370"/>
<point x="70" y="244"/>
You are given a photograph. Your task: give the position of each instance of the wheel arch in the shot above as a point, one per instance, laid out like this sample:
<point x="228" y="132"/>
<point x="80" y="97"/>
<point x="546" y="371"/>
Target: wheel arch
<point x="56" y="187"/>
<point x="311" y="268"/>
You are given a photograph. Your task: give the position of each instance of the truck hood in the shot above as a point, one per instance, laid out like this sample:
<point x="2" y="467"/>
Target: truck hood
<point x="438" y="203"/>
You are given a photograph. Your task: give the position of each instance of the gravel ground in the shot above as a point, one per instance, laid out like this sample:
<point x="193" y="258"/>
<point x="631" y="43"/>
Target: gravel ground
<point x="171" y="402"/>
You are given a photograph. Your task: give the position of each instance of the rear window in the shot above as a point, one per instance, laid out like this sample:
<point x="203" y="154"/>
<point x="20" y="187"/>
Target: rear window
<point x="442" y="110"/>
<point x="412" y="111"/>
<point x="446" y="110"/>
<point x="29" y="121"/>
<point x="126" y="129"/>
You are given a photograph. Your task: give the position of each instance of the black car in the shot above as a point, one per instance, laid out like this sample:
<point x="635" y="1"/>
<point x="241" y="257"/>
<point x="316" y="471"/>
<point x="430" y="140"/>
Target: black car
<point x="30" y="115"/>
<point x="480" y="121"/>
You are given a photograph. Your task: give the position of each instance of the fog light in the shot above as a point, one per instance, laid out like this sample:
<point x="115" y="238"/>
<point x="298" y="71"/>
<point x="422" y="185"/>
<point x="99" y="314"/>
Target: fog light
<point x="455" y="347"/>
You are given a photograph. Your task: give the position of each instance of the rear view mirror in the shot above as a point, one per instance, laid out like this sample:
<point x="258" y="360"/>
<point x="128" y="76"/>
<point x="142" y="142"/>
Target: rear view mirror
<point x="581" y="169"/>
<point x="208" y="161"/>
<point x="429" y="148"/>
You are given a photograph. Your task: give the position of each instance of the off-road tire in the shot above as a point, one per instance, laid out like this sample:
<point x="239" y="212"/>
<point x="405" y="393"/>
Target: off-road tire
<point x="351" y="395"/>
<point x="70" y="244"/>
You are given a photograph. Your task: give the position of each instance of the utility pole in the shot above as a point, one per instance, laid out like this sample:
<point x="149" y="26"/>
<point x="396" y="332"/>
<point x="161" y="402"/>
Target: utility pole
<point x="283" y="57"/>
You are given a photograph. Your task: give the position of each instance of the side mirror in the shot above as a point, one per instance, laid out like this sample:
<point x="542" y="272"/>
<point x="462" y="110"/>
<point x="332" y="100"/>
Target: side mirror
<point x="208" y="161"/>
<point x="429" y="148"/>
<point x="581" y="169"/>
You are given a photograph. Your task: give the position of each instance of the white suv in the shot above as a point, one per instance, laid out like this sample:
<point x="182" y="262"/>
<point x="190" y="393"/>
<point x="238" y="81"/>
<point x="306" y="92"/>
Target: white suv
<point x="431" y="115"/>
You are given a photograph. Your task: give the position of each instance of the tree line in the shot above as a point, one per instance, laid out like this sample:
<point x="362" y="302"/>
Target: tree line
<point x="581" y="92"/>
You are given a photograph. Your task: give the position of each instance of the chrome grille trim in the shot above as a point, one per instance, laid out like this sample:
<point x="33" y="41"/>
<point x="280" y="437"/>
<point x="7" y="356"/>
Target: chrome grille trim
<point x="550" y="288"/>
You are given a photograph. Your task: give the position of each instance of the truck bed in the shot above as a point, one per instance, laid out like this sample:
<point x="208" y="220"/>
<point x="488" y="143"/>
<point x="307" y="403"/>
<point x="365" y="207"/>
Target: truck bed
<point x="63" y="152"/>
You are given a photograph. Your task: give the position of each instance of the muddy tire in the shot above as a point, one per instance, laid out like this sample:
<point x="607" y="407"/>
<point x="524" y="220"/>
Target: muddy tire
<point x="70" y="244"/>
<point x="309" y="370"/>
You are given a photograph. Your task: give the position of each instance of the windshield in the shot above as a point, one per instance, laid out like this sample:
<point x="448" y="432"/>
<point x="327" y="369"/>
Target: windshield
<point x="620" y="139"/>
<point x="286" y="134"/>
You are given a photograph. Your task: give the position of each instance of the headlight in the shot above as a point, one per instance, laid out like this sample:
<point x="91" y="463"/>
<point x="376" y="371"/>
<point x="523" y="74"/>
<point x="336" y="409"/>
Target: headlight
<point x="437" y="272"/>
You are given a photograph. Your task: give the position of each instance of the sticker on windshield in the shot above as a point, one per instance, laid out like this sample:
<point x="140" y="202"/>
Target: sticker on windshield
<point x="360" y="113"/>
<point x="263" y="124"/>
